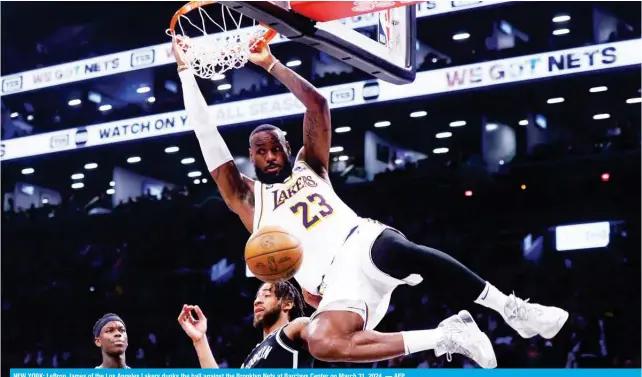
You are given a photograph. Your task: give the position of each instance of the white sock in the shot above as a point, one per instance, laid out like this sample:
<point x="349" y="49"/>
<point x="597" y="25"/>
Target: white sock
<point x="421" y="340"/>
<point x="492" y="298"/>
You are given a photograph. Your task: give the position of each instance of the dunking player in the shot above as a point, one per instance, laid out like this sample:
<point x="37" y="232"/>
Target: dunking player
<point x="278" y="310"/>
<point x="353" y="263"/>
<point x="111" y="336"/>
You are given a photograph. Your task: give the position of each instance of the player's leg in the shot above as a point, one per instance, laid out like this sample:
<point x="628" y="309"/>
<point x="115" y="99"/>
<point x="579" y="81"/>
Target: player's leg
<point x="398" y="257"/>
<point x="336" y="335"/>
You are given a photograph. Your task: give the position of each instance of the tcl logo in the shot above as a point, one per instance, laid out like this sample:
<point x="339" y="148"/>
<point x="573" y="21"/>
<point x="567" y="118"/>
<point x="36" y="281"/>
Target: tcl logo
<point x="142" y="58"/>
<point x="342" y="96"/>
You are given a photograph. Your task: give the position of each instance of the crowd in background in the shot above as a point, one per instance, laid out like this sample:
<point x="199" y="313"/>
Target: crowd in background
<point x="63" y="269"/>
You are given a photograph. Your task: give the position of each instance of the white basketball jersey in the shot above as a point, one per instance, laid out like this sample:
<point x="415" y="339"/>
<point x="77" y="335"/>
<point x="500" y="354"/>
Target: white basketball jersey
<point x="307" y="207"/>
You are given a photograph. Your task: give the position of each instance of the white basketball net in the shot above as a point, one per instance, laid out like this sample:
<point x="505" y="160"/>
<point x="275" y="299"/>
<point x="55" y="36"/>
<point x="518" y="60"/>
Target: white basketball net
<point x="210" y="55"/>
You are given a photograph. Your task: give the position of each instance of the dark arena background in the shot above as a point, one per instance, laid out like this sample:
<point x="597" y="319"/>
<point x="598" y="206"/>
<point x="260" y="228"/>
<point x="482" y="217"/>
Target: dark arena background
<point x="516" y="150"/>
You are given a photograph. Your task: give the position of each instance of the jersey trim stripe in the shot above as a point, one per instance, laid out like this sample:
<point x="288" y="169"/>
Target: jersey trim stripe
<point x="295" y="353"/>
<point x="258" y="222"/>
<point x="315" y="173"/>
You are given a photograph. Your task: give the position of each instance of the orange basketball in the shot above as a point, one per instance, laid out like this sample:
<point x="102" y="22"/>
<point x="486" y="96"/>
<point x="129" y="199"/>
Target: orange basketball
<point x="273" y="254"/>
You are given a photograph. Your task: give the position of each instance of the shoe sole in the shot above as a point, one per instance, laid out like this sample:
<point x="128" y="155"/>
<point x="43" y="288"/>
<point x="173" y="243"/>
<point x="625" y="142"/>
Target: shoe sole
<point x="551" y="332"/>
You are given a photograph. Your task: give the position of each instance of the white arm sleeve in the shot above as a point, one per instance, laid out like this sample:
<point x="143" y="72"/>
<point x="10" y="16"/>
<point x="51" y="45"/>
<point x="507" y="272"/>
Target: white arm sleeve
<point x="213" y="147"/>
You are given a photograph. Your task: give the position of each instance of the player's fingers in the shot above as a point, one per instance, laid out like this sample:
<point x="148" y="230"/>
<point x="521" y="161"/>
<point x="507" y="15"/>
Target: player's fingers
<point x="199" y="312"/>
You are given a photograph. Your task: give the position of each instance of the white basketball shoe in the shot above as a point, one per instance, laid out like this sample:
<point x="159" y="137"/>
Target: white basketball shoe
<point x="462" y="336"/>
<point x="530" y="319"/>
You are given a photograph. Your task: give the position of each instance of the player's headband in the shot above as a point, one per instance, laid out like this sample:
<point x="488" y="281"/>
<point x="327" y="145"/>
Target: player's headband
<point x="105" y="320"/>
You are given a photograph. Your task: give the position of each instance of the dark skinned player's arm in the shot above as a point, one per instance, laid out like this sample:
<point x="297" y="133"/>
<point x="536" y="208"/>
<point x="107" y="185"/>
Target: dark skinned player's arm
<point x="297" y="330"/>
<point x="236" y="189"/>
<point x="317" y="128"/>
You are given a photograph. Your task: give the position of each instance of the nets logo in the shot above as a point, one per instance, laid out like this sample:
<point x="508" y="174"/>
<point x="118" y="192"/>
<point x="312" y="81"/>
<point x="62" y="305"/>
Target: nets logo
<point x="342" y="96"/>
<point x="142" y="58"/>
<point x="81" y="137"/>
<point x="371" y="90"/>
<point x="11" y="84"/>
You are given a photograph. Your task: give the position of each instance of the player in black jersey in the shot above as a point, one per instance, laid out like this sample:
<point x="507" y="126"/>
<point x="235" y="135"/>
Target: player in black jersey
<point x="110" y="335"/>
<point x="278" y="310"/>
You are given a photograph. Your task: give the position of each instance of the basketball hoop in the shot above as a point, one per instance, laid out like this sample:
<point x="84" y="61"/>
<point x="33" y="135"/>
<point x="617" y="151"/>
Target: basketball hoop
<point x="209" y="55"/>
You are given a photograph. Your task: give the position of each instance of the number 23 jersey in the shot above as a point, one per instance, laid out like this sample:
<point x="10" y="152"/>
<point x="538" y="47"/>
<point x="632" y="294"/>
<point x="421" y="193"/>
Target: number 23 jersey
<point x="307" y="207"/>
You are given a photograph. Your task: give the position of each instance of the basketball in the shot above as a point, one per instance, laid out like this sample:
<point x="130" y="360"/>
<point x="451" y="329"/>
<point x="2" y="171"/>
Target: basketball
<point x="273" y="254"/>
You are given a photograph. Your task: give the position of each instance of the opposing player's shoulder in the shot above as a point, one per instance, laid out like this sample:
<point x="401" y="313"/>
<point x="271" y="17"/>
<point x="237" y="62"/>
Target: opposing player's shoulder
<point x="296" y="329"/>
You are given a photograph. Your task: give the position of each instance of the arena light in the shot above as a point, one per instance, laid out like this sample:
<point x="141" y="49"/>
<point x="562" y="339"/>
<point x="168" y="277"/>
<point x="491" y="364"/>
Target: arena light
<point x="27" y="171"/>
<point x="204" y="180"/>
<point x="443" y="135"/>
<point x="491" y="127"/>
<point x="112" y="184"/>
<point x="523" y="122"/>
<point x="14" y="115"/>
<point x="561" y="31"/>
<point x="197" y="181"/>
<point x="634" y="100"/>
<point x="133" y="160"/>
<point x="143" y="89"/>
<point x="418" y="114"/>
<point x="29" y="117"/>
<point x="457" y="123"/>
<point x="188" y="160"/>
<point x="468" y="193"/>
<point x="293" y="63"/>
<point x="151" y="99"/>
<point x="104" y="107"/>
<point x="218" y="77"/>
<point x="461" y="36"/>
<point x="343" y="158"/>
<point x="598" y="89"/>
<point x="45" y="201"/>
<point x="74" y="102"/>
<point x="341" y="130"/>
<point x="172" y="149"/>
<point x="95" y="97"/>
<point x="110" y="191"/>
<point x="77" y="176"/>
<point x="224" y="87"/>
<point x="77" y="185"/>
<point x="562" y="18"/>
<point x="523" y="187"/>
<point x="440" y="150"/>
<point x="605" y="177"/>
<point x="555" y="100"/>
<point x="91" y="165"/>
<point x="194" y="174"/>
<point x="601" y="116"/>
<point x="381" y="124"/>
<point x="336" y="149"/>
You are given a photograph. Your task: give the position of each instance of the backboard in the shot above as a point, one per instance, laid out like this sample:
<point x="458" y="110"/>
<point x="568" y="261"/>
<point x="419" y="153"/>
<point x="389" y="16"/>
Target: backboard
<point x="389" y="56"/>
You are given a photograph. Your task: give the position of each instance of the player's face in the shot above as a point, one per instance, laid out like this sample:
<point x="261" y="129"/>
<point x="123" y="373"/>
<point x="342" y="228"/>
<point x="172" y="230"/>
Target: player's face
<point x="113" y="338"/>
<point x="270" y="154"/>
<point x="267" y="308"/>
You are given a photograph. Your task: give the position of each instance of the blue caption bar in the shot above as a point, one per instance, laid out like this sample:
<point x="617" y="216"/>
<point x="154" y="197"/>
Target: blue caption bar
<point x="319" y="372"/>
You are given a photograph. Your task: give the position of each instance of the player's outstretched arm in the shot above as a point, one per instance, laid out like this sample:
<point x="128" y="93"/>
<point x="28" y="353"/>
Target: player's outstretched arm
<point x="317" y="130"/>
<point x="236" y="189"/>
<point x="196" y="329"/>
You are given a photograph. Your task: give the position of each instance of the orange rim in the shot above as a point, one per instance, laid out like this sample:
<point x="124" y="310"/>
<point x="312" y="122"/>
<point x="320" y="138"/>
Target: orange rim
<point x="188" y="7"/>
